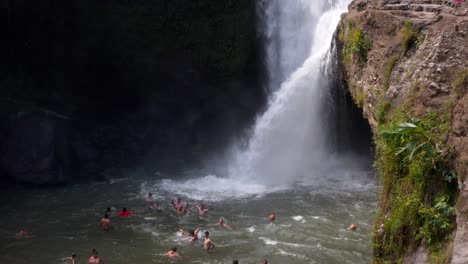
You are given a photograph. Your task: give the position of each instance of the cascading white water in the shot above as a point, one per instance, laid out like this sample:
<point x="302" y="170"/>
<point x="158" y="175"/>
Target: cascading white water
<point x="288" y="140"/>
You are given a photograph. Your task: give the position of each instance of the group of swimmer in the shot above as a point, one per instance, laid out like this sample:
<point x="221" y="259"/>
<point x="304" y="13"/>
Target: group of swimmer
<point x="93" y="259"/>
<point x="181" y="209"/>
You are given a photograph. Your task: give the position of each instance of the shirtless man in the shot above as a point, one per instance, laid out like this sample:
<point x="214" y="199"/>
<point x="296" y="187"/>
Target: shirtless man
<point x="94" y="259"/>
<point x="172" y="253"/>
<point x="191" y="233"/>
<point x="202" y="210"/>
<point x="208" y="244"/>
<point x="177" y="204"/>
<point x="105" y="223"/>
<point x="71" y="260"/>
<point x="180" y="210"/>
<point x="222" y="224"/>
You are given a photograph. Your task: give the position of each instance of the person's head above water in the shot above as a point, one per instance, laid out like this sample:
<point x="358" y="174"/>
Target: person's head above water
<point x="124" y="209"/>
<point x="108" y="209"/>
<point x="207" y="234"/>
<point x="73" y="255"/>
<point x="106" y="216"/>
<point x="94" y="252"/>
<point x="235" y="261"/>
<point x="264" y="261"/>
<point x="174" y="248"/>
<point x="179" y="200"/>
<point x="150" y="195"/>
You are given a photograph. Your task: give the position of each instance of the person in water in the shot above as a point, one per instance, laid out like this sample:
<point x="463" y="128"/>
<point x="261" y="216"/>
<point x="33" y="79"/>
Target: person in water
<point x="94" y="259"/>
<point x="22" y="234"/>
<point x="264" y="261"/>
<point x="202" y="210"/>
<point x="180" y="209"/>
<point x="177" y="204"/>
<point x="193" y="234"/>
<point x="71" y="259"/>
<point x="149" y="198"/>
<point x="222" y="224"/>
<point x="208" y="244"/>
<point x="235" y="261"/>
<point x="172" y="253"/>
<point x="155" y="206"/>
<point x="124" y="212"/>
<point x="105" y="223"/>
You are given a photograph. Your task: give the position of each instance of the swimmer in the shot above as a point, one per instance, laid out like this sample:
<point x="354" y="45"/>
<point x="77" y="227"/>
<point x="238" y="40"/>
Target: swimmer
<point x="352" y="227"/>
<point x="105" y="223"/>
<point x="235" y="261"/>
<point x="202" y="210"/>
<point x="155" y="206"/>
<point x="71" y="259"/>
<point x="272" y="217"/>
<point x="172" y="253"/>
<point x="222" y="224"/>
<point x="208" y="244"/>
<point x="94" y="259"/>
<point x="177" y="204"/>
<point x="149" y="198"/>
<point x="181" y="210"/>
<point x="22" y="234"/>
<point x="124" y="212"/>
<point x="264" y="261"/>
<point x="191" y="233"/>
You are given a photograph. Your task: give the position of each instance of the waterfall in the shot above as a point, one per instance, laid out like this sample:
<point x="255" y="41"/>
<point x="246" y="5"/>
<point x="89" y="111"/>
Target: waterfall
<point x="289" y="140"/>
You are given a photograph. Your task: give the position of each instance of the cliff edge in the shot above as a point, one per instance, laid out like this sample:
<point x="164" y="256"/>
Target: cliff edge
<point x="405" y="62"/>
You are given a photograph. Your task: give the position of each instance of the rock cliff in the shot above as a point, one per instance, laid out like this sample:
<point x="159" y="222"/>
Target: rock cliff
<point x="137" y="81"/>
<point x="405" y="62"/>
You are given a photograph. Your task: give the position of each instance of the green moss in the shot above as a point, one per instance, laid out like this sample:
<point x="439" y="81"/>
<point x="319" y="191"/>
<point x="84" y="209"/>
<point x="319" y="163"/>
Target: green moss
<point x="409" y="36"/>
<point x="359" y="97"/>
<point x="441" y="253"/>
<point x="388" y="71"/>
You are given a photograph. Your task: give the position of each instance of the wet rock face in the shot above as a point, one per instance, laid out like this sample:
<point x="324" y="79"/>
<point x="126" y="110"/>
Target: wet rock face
<point x="40" y="150"/>
<point x="29" y="151"/>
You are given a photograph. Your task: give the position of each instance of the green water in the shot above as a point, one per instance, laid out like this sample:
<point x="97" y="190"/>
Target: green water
<point x="311" y="225"/>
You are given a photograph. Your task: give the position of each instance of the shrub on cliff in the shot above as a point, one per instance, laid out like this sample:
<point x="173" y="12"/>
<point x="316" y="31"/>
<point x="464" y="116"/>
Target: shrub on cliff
<point x="356" y="43"/>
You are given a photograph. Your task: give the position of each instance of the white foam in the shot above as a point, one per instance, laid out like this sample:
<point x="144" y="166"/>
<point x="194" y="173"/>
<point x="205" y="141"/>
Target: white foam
<point x="213" y="188"/>
<point x="271" y="242"/>
<point x="298" y="218"/>
<point x="251" y="229"/>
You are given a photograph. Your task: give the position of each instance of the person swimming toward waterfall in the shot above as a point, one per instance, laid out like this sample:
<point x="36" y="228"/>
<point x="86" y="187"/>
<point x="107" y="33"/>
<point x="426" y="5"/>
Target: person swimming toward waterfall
<point x="172" y="253"/>
<point x="193" y="234"/>
<point x="222" y="224"/>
